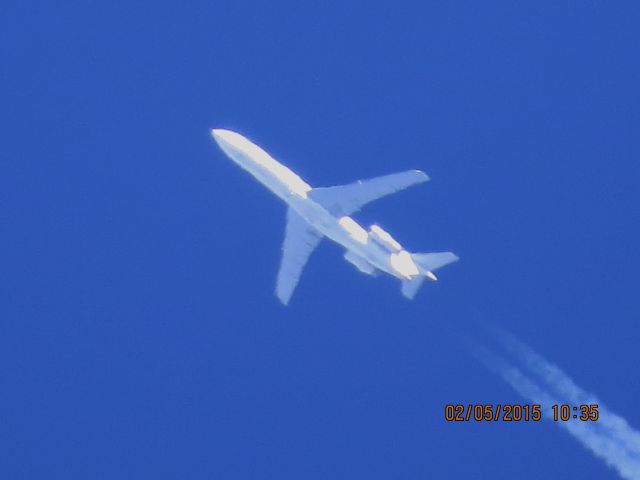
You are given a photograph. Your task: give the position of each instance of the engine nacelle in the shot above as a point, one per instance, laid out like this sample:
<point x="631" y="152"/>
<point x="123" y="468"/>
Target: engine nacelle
<point x="384" y="239"/>
<point x="403" y="263"/>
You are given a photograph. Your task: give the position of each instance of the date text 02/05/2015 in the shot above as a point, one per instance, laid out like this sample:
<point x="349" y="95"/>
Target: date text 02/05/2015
<point x="489" y="412"/>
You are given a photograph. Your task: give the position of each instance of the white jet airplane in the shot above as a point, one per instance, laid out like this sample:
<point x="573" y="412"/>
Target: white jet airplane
<point x="325" y="212"/>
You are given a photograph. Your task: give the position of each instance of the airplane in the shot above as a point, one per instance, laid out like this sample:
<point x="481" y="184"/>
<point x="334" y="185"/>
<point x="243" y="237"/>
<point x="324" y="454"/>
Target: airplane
<point x="315" y="213"/>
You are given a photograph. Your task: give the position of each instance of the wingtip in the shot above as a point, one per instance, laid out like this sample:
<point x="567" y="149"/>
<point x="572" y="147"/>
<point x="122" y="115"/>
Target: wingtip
<point x="423" y="176"/>
<point x="282" y="298"/>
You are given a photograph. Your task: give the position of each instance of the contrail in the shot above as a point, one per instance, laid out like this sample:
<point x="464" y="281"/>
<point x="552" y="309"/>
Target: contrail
<point x="572" y="393"/>
<point x="610" y="438"/>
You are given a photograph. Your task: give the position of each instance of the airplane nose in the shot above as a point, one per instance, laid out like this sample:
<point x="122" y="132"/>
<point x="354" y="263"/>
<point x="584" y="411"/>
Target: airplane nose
<point x="216" y="133"/>
<point x="222" y="136"/>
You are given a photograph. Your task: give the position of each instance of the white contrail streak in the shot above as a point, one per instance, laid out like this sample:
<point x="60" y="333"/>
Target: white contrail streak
<point x="610" y="438"/>
<point x="559" y="381"/>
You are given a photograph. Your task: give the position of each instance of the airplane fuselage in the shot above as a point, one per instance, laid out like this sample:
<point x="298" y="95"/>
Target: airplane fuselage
<point x="294" y="191"/>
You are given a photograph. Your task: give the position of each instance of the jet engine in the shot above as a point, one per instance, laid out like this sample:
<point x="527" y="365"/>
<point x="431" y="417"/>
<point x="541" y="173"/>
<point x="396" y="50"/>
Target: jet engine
<point x="384" y="239"/>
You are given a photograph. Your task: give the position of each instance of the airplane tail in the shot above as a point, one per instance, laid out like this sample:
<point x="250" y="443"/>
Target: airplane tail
<point x="427" y="263"/>
<point x="410" y="287"/>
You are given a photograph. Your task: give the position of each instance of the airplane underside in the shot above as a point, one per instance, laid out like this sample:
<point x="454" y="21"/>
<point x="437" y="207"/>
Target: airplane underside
<point x="315" y="213"/>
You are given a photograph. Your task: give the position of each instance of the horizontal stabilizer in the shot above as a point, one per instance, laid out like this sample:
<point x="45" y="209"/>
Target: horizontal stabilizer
<point x="432" y="261"/>
<point x="411" y="287"/>
<point x="347" y="199"/>
<point x="300" y="240"/>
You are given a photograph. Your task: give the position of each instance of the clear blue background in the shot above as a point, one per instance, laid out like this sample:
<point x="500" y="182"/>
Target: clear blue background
<point x="139" y="333"/>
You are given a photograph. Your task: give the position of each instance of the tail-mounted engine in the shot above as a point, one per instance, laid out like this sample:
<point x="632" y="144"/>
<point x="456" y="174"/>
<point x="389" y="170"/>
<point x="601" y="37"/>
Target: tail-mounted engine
<point x="384" y="239"/>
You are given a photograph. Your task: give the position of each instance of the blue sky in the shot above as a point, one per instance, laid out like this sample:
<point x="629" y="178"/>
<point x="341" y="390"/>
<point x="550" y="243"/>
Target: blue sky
<point x="139" y="333"/>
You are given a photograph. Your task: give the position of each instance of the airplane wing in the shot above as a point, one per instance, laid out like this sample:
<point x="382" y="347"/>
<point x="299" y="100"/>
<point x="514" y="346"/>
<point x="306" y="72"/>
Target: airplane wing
<point x="299" y="241"/>
<point x="347" y="199"/>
